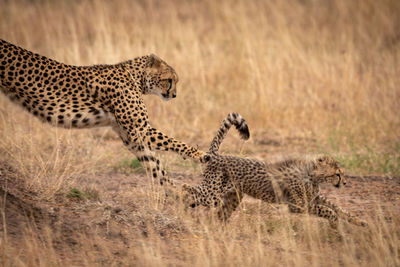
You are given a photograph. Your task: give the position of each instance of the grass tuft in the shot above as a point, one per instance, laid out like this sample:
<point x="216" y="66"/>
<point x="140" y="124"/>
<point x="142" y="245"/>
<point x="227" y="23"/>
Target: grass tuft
<point x="130" y="166"/>
<point x="77" y="194"/>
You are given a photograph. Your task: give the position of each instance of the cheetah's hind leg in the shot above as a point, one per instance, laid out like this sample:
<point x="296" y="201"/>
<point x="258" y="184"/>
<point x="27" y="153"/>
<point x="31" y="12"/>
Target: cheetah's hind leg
<point x="230" y="201"/>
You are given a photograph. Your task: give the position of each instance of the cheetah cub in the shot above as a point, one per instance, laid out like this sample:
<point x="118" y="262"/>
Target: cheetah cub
<point x="294" y="182"/>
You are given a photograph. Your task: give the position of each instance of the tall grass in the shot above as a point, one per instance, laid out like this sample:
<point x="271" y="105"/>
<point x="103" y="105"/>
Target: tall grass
<point x="310" y="67"/>
<point x="169" y="236"/>
<point x="304" y="66"/>
<point x="323" y="69"/>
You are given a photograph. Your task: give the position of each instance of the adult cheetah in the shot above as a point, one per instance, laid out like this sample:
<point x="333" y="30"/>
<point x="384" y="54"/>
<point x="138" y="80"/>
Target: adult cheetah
<point x="99" y="95"/>
<point x="294" y="182"/>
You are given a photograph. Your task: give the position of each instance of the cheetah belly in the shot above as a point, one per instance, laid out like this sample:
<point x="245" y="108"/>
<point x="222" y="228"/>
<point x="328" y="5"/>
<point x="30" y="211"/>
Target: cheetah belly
<point x="85" y="118"/>
<point x="65" y="114"/>
<point x="80" y="116"/>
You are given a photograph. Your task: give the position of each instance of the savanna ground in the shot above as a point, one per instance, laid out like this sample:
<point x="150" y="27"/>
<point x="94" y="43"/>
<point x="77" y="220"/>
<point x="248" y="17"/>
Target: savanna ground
<point x="308" y="76"/>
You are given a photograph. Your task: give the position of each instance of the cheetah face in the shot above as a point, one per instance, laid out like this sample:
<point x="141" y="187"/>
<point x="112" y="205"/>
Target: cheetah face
<point x="160" y="79"/>
<point x="338" y="179"/>
<point x="190" y="196"/>
<point x="327" y="169"/>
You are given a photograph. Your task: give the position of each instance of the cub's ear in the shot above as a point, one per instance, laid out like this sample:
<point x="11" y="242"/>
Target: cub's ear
<point x="323" y="158"/>
<point x="154" y="61"/>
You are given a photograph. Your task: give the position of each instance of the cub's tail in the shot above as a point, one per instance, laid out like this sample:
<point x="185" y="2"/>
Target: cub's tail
<point x="240" y="125"/>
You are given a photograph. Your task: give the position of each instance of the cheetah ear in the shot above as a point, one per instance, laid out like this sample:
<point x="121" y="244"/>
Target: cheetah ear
<point x="154" y="61"/>
<point x="322" y="158"/>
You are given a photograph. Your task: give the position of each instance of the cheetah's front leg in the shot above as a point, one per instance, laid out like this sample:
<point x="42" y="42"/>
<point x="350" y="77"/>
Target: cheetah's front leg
<point x="156" y="140"/>
<point x="325" y="212"/>
<point x="146" y="158"/>
<point x="341" y="212"/>
<point x="296" y="199"/>
<point x="140" y="131"/>
<point x="141" y="138"/>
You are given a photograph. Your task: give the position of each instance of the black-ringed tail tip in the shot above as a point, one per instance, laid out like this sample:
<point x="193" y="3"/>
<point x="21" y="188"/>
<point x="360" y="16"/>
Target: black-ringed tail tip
<point x="240" y="124"/>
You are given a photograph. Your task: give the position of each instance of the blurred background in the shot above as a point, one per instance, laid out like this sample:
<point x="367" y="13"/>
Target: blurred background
<point x="326" y="71"/>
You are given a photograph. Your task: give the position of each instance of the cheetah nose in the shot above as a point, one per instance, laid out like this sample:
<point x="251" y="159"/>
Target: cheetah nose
<point x="173" y="95"/>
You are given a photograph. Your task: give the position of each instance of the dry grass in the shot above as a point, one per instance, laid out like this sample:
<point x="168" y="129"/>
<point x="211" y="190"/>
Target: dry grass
<point x="326" y="71"/>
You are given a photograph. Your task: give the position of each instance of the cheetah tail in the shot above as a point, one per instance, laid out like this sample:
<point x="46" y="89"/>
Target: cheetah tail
<point x="240" y="124"/>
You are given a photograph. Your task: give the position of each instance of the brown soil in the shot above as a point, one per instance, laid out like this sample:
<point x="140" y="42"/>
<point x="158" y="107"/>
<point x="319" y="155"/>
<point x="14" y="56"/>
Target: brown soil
<point x="63" y="221"/>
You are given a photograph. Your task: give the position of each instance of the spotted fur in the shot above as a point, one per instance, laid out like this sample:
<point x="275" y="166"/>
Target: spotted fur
<point x="294" y="182"/>
<point x="100" y="95"/>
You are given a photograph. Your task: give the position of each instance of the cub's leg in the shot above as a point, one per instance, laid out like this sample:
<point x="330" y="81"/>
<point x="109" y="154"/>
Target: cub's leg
<point x="325" y="212"/>
<point x="341" y="212"/>
<point x="296" y="199"/>
<point x="297" y="207"/>
<point x="230" y="201"/>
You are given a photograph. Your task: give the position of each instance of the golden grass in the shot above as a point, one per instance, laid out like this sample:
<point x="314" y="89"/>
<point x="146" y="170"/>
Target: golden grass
<point x="325" y="70"/>
<point x="163" y="234"/>
<point x="329" y="70"/>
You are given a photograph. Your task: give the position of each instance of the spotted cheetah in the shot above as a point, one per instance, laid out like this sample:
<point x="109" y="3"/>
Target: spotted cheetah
<point x="294" y="182"/>
<point x="99" y="95"/>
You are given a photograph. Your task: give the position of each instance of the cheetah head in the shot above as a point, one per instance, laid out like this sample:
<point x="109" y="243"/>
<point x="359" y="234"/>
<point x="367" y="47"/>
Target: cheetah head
<point x="327" y="169"/>
<point x="190" y="196"/>
<point x="159" y="78"/>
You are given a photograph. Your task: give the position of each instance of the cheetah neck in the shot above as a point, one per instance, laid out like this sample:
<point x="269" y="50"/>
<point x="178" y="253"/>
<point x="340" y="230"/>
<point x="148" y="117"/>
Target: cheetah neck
<point x="135" y="71"/>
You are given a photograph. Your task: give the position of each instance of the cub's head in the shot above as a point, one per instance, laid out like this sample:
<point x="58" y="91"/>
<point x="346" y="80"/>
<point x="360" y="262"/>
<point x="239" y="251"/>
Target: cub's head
<point x="326" y="169"/>
<point x="190" y="196"/>
<point x="159" y="78"/>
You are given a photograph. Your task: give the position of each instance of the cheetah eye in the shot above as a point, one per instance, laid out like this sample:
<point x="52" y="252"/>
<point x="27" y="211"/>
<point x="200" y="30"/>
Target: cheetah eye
<point x="169" y="83"/>
<point x="338" y="181"/>
<point x="193" y="205"/>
